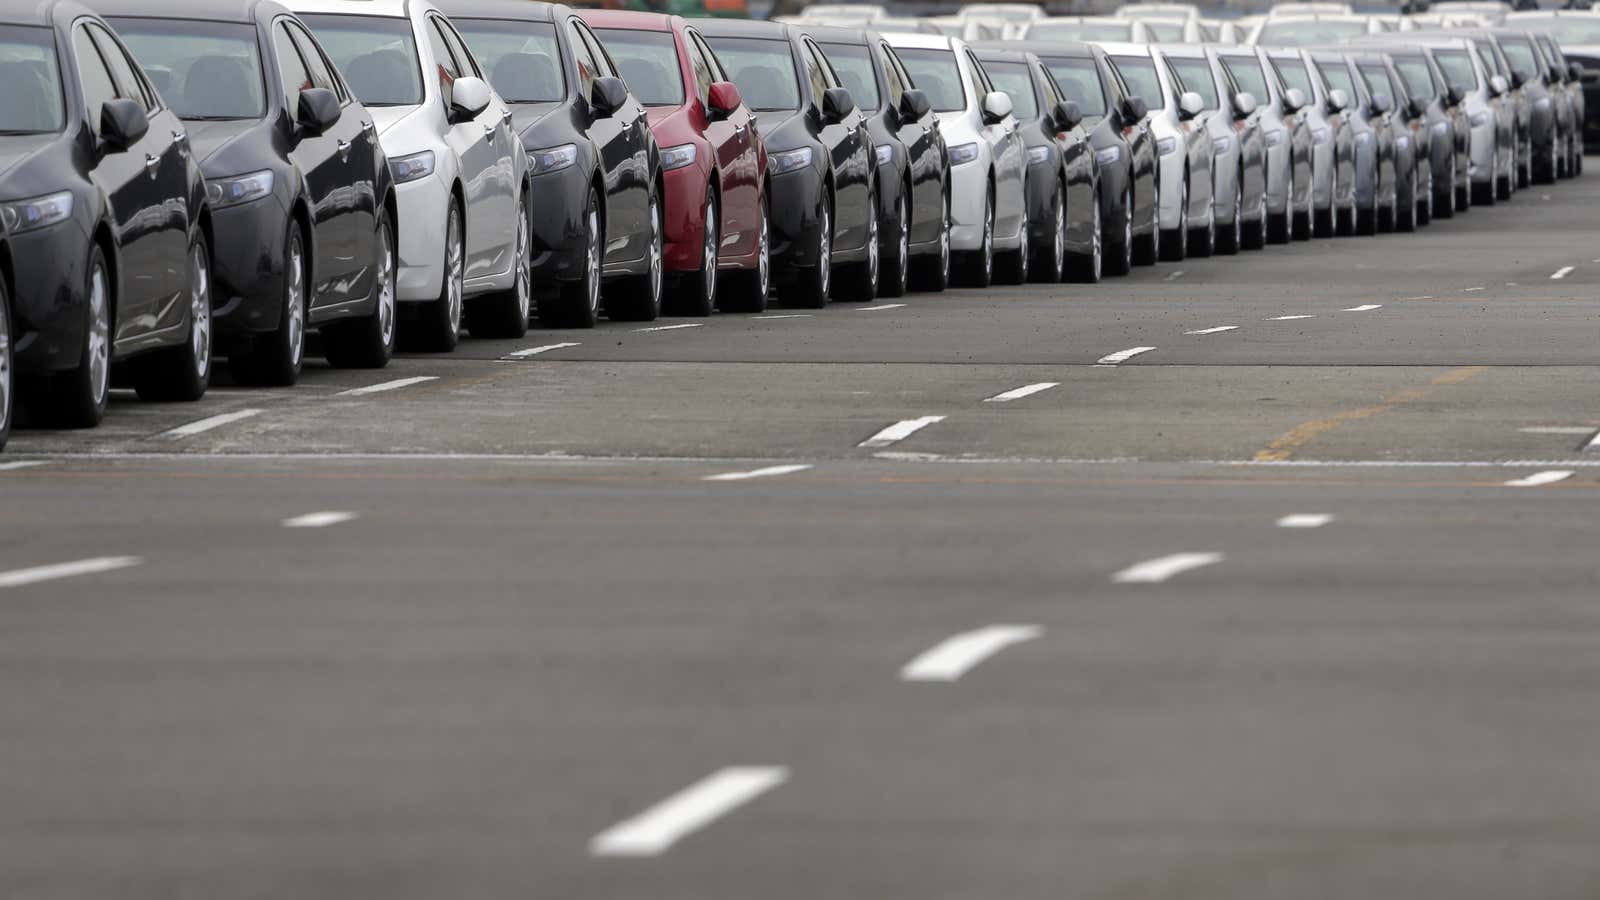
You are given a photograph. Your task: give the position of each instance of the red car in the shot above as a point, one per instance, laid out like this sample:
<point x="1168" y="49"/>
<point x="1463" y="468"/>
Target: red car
<point x="713" y="161"/>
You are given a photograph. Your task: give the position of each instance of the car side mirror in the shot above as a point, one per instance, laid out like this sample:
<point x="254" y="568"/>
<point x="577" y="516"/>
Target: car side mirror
<point x="1575" y="71"/>
<point x="122" y="124"/>
<point x="996" y="106"/>
<point x="1456" y="95"/>
<point x="1244" y="104"/>
<point x="318" y="110"/>
<point x="1518" y="78"/>
<point x="1381" y="104"/>
<point x="607" y="95"/>
<point x="1190" y="104"/>
<point x="1067" y="115"/>
<point x="1293" y="100"/>
<point x="1552" y="77"/>
<point x="1338" y="101"/>
<point x="836" y="104"/>
<point x="1417" y="107"/>
<point x="914" y="104"/>
<point x="723" y="99"/>
<point x="468" y="97"/>
<point x="1498" y="86"/>
<point x="1133" y="110"/>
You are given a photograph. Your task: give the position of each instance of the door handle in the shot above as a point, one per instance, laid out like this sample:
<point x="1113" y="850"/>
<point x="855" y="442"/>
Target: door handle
<point x="151" y="164"/>
<point x="488" y="133"/>
<point x="506" y="117"/>
<point x="344" y="151"/>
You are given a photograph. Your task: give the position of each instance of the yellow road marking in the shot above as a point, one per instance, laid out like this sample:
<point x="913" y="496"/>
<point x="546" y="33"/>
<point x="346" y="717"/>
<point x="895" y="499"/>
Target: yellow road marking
<point x="1287" y="443"/>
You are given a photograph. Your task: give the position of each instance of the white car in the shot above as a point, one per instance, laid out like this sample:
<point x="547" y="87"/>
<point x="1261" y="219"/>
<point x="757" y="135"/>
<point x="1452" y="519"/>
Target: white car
<point x="988" y="161"/>
<point x="460" y="171"/>
<point x="1011" y="20"/>
<point x="1158" y="11"/>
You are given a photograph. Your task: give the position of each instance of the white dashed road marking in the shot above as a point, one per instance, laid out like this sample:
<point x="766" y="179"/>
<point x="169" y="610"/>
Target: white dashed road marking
<point x="380" y="387"/>
<point x="23" y="464"/>
<point x="899" y="431"/>
<point x="785" y="316"/>
<point x="1558" y="429"/>
<point x="655" y="830"/>
<point x="1594" y="442"/>
<point x="953" y="657"/>
<point x="206" y="424"/>
<point x="1175" y="275"/>
<point x="1562" y="272"/>
<point x="670" y="327"/>
<point x="1154" y="571"/>
<point x="879" y="306"/>
<point x="319" y="519"/>
<point x="1541" y="478"/>
<point x="1120" y="356"/>
<point x="1288" y="318"/>
<point x="757" y="473"/>
<point x="1305" y="520"/>
<point x="21" y="577"/>
<point x="1364" y="307"/>
<point x="1027" y="390"/>
<point x="1423" y="297"/>
<point x="1217" y="330"/>
<point x="1471" y="289"/>
<point x="535" y="351"/>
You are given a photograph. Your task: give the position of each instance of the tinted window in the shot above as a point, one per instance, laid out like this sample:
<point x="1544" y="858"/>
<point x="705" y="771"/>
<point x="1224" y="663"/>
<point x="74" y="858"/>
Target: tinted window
<point x="291" y="68"/>
<point x="98" y="88"/>
<point x="936" y="73"/>
<point x="521" y="58"/>
<point x="376" y="54"/>
<point x="1338" y="77"/>
<point x="1014" y="80"/>
<point x="1246" y="72"/>
<point x="604" y="68"/>
<point x="1520" y="53"/>
<point x="442" y="58"/>
<point x="1080" y="81"/>
<point x="1297" y="33"/>
<point x="123" y="69"/>
<point x="1293" y="72"/>
<point x="1196" y="76"/>
<point x="648" y="61"/>
<point x="702" y="72"/>
<point x="1414" y="70"/>
<point x="1081" y="31"/>
<point x="32" y="101"/>
<point x="588" y="68"/>
<point x="853" y="62"/>
<point x="1566" y="29"/>
<point x="718" y="73"/>
<point x="321" y="72"/>
<point x="1378" y="82"/>
<point x="763" y="69"/>
<point x="1457" y="67"/>
<point x="1139" y="74"/>
<point x="897" y="84"/>
<point x="467" y="66"/>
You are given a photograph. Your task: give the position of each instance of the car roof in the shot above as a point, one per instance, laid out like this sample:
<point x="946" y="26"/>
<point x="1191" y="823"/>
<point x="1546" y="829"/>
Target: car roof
<point x="833" y="34"/>
<point x="391" y="8"/>
<point x="1124" y="48"/>
<point x="515" y="10"/>
<point x="739" y="28"/>
<point x="627" y="19"/>
<point x="39" y="13"/>
<point x="214" y="10"/>
<point x="1041" y="48"/>
<point x="919" y="41"/>
<point x="999" y="54"/>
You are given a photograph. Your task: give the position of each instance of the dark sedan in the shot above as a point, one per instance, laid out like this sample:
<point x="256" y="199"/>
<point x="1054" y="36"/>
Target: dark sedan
<point x="596" y="171"/>
<point x="913" y="172"/>
<point x="8" y="369"/>
<point x="300" y="192"/>
<point x="819" y="154"/>
<point x="110" y="234"/>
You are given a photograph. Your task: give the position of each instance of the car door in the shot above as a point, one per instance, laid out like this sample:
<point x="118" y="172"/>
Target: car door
<point x="846" y="146"/>
<point x="924" y="152"/>
<point x="501" y="188"/>
<point x="474" y="146"/>
<point x="618" y="146"/>
<point x="733" y="144"/>
<point x="147" y="187"/>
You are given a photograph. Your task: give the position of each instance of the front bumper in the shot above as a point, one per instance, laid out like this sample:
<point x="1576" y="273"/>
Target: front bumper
<point x="424" y="205"/>
<point x="1171" y="167"/>
<point x="247" y="267"/>
<point x="49" y="297"/>
<point x="684" y="236"/>
<point x="1279" y="184"/>
<point x="969" y="193"/>
<point x="796" y="211"/>
<point x="557" y="241"/>
<point x="1484" y="138"/>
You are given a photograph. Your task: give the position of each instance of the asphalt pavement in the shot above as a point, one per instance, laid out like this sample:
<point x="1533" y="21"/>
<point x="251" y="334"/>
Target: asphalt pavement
<point x="1268" y="576"/>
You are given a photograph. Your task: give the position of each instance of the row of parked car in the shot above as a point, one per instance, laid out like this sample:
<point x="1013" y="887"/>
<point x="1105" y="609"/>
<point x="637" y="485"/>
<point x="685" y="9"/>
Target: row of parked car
<point x="180" y="184"/>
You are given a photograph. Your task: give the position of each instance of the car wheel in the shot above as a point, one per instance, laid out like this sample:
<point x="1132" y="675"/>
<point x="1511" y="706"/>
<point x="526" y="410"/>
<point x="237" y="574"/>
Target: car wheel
<point x="368" y="342"/>
<point x="1175" y="245"/>
<point x="577" y="303"/>
<point x="274" y="358"/>
<point x="1444" y="195"/>
<point x="1050" y="265"/>
<point x="437" y="324"/>
<point x="1088" y="268"/>
<point x="1254" y="234"/>
<point x="747" y="291"/>
<point x="811" y="286"/>
<point x="696" y="292"/>
<point x="8" y="391"/>
<point x="860" y="281"/>
<point x="1014" y="264"/>
<point x="1119" y="252"/>
<point x="1405" y="208"/>
<point x="637" y="298"/>
<point x="1232" y="238"/>
<point x="936" y="278"/>
<point x="979" y="268"/>
<point x="504" y="314"/>
<point x="76" y="398"/>
<point x="1147" y="248"/>
<point x="183" y="372"/>
<point x="894" y="276"/>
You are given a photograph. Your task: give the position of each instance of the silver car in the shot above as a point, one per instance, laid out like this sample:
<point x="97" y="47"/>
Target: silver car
<point x="1333" y="173"/>
<point x="1286" y="137"/>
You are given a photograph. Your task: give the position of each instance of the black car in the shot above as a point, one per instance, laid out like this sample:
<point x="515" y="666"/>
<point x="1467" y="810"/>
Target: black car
<point x="106" y="209"/>
<point x="302" y="202"/>
<point x="913" y="172"/>
<point x="1436" y="108"/>
<point x="819" y="155"/>
<point x="8" y="383"/>
<point x="1061" y="176"/>
<point x="596" y="169"/>
<point x="1368" y="116"/>
<point x="1124" y="151"/>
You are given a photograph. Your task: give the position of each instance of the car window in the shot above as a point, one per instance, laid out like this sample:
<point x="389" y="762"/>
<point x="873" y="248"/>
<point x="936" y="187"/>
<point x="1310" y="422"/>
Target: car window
<point x="443" y="60"/>
<point x="522" y="59"/>
<point x="935" y="73"/>
<point x="819" y="82"/>
<point x="292" y="69"/>
<point x="1568" y="30"/>
<point x="123" y="69"/>
<point x="853" y="62"/>
<point x="1196" y="76"/>
<point x="1081" y="31"/>
<point x="891" y="75"/>
<point x="1457" y="68"/>
<point x="1246" y="73"/>
<point x="32" y="102"/>
<point x="1052" y="93"/>
<point x="718" y="73"/>
<point x="98" y="88"/>
<point x="1489" y="61"/>
<point x="204" y="70"/>
<point x="316" y="66"/>
<point x="763" y="69"/>
<point x="1139" y="74"/>
<point x="1306" y="32"/>
<point x="1014" y="80"/>
<point x="1292" y="73"/>
<point x="465" y="64"/>
<point x="648" y="61"/>
<point x="701" y="69"/>
<point x="1414" y="71"/>
<point x="604" y="67"/>
<point x="588" y="69"/>
<point x="377" y="54"/>
<point x="1520" y="52"/>
<point x="1079" y="80"/>
<point x="984" y="85"/>
<point x="1378" y="82"/>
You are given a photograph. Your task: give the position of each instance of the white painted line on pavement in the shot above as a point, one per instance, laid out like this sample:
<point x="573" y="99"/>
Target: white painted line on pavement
<point x="1541" y="478"/>
<point x="1562" y="272"/>
<point x="785" y="316"/>
<point x="319" y="519"/>
<point x="382" y="386"/>
<point x="655" y="830"/>
<point x="1154" y="571"/>
<point x="1175" y="275"/>
<point x="1558" y="429"/>
<point x="1471" y="289"/>
<point x="206" y="424"/>
<point x="670" y="327"/>
<point x="1289" y="318"/>
<point x="1217" y="330"/>
<point x="899" y="431"/>
<point x="1364" y="307"/>
<point x="20" y="577"/>
<point x="1423" y="297"/>
<point x="879" y="306"/>
<point x="535" y="351"/>
<point x="23" y="464"/>
<point x="954" y="656"/>
<point x="1594" y="443"/>
<point x="1112" y="359"/>
<point x="757" y="473"/>
<point x="1026" y="390"/>
<point x="1304" y="520"/>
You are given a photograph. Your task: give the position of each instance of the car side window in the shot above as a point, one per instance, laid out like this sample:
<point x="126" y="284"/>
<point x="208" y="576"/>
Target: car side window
<point x="465" y="64"/>
<point x="974" y="82"/>
<point x="718" y="73"/>
<point x="124" y="71"/>
<point x="605" y="67"/>
<point x="702" y="71"/>
<point x="98" y="88"/>
<point x="316" y="67"/>
<point x="291" y="68"/>
<point x="1051" y="92"/>
<point x="588" y="69"/>
<point x="897" y="87"/>
<point x="819" y="82"/>
<point x="446" y="63"/>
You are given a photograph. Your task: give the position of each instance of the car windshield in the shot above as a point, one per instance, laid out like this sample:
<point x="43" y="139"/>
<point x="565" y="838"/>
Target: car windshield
<point x="1295" y="33"/>
<point x="853" y="63"/>
<point x="1014" y="80"/>
<point x="204" y="70"/>
<point x="1566" y="29"/>
<point x="1081" y="31"/>
<point x="1246" y="70"/>
<point x="1519" y="51"/>
<point x="1295" y="75"/>
<point x="935" y="72"/>
<point x="762" y="69"/>
<point x="1196" y="76"/>
<point x="1414" y="72"/>
<point x="376" y="54"/>
<point x="1457" y="67"/>
<point x="1337" y="74"/>
<point x="648" y="61"/>
<point x="1164" y="31"/>
<point x="521" y="58"/>
<point x="1139" y="72"/>
<point x="32" y="101"/>
<point x="1080" y="82"/>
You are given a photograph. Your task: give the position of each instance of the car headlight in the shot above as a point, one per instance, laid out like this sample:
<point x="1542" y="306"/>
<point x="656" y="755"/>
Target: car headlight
<point x="1222" y="145"/>
<point x="885" y="153"/>
<point x="1167" y="145"/>
<point x="1274" y="137"/>
<point x="1321" y="135"/>
<point x="789" y="160"/>
<point x="677" y="157"/>
<point x="963" y="153"/>
<point x="1108" y="155"/>
<point x="225" y="192"/>
<point x="1479" y="119"/>
<point x="1440" y="128"/>
<point x="552" y="159"/>
<point x="26" y="215"/>
<point x="410" y="168"/>
<point x="1037" y="155"/>
<point x="1363" y="139"/>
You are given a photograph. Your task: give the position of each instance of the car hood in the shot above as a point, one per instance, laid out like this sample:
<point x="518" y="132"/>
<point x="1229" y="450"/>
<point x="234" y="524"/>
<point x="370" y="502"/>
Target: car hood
<point x="526" y="115"/>
<point x="206" y="138"/>
<point x="658" y="114"/>
<point x="15" y="149"/>
<point x="770" y="120"/>
<point x="386" y="117"/>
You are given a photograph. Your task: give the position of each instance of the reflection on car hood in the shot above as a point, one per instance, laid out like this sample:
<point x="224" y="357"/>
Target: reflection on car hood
<point x="658" y="114"/>
<point x="526" y="115"/>
<point x="386" y="117"/>
<point x="16" y="148"/>
<point x="206" y="138"/>
<point x="770" y="120"/>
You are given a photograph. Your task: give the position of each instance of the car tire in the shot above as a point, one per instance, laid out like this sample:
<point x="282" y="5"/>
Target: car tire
<point x="576" y="304"/>
<point x="1464" y="198"/>
<point x="1014" y="264"/>
<point x="77" y="397"/>
<point x="1544" y="170"/>
<point x="977" y="269"/>
<point x="1366" y="221"/>
<point x="183" y="373"/>
<point x="8" y="370"/>
<point x="1405" y="205"/>
<point x="637" y="298"/>
<point x="860" y="281"/>
<point x="504" y="314"/>
<point x="1322" y="224"/>
<point x="273" y="359"/>
<point x="747" y="291"/>
<point x="1300" y="223"/>
<point x="436" y="325"/>
<point x="1254" y="234"/>
<point x="368" y="342"/>
<point x="1050" y="262"/>
<point x="1119" y="254"/>
<point x="811" y="286"/>
<point x="1147" y="248"/>
<point x="1087" y="268"/>
<point x="1444" y="197"/>
<point x="895" y="267"/>
<point x="1231" y="239"/>
<point x="935" y="278"/>
<point x="695" y="293"/>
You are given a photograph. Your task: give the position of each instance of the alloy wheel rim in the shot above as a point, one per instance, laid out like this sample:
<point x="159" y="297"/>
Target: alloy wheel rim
<point x="872" y="247"/>
<point x="988" y="238"/>
<point x="1059" y="247"/>
<point x="524" y="262"/>
<point x="903" y="246"/>
<point x="99" y="343"/>
<point x="1024" y="249"/>
<point x="1127" y="230"/>
<point x="944" y="245"/>
<point x="1238" y="213"/>
<point x="825" y="250"/>
<point x="1096" y="251"/>
<point x="455" y="272"/>
<point x="655" y="251"/>
<point x="200" y="312"/>
<point x="1155" y="221"/>
<point x="386" y="289"/>
<point x="763" y="258"/>
<point x="709" y="263"/>
<point x="296" y="310"/>
<point x="5" y="362"/>
<point x="592" y="261"/>
<point x="1183" y="219"/>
